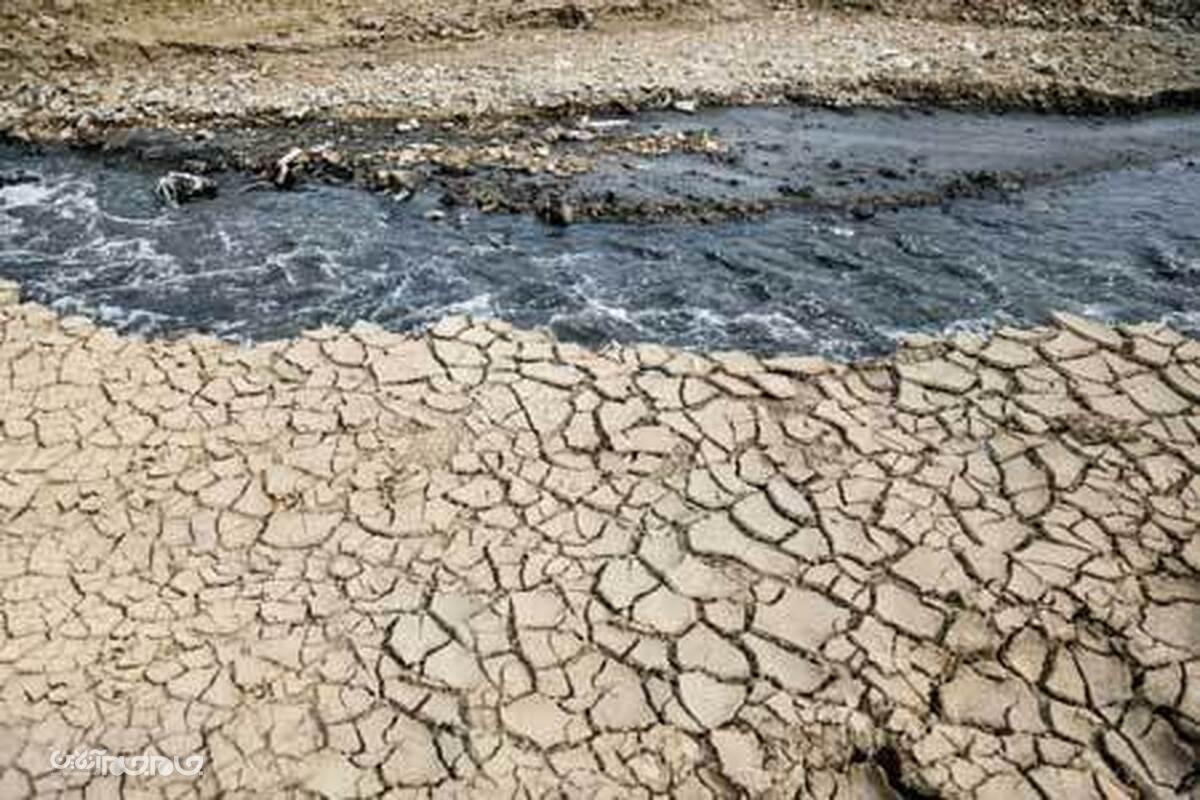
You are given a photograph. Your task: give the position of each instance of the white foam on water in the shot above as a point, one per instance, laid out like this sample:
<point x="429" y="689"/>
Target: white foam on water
<point x="1187" y="320"/>
<point x="596" y="309"/>
<point x="120" y="317"/>
<point x="480" y="305"/>
<point x="25" y="195"/>
<point x="297" y="264"/>
<point x="982" y="325"/>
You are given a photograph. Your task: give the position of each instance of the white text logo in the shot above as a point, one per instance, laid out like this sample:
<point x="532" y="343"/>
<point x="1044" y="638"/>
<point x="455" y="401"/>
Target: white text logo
<point x="99" y="762"/>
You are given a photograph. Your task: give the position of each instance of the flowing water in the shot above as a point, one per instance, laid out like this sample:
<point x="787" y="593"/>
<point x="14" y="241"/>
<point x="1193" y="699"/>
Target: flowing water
<point x="1117" y="236"/>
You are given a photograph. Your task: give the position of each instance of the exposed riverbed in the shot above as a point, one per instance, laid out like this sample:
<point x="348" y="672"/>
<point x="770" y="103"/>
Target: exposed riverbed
<point x="1094" y="217"/>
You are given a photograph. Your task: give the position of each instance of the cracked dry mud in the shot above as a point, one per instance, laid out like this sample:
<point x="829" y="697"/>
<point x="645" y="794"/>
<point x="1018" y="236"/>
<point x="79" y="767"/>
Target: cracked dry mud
<point x="483" y="563"/>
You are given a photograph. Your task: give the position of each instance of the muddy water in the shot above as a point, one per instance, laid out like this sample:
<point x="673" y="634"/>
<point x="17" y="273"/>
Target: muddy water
<point x="1095" y="217"/>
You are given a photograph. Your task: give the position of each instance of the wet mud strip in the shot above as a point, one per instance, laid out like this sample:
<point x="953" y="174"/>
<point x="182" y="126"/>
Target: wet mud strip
<point x="701" y="164"/>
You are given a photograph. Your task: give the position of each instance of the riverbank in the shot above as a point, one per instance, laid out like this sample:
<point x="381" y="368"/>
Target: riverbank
<point x="483" y="561"/>
<point x="77" y="75"/>
<point x="509" y="110"/>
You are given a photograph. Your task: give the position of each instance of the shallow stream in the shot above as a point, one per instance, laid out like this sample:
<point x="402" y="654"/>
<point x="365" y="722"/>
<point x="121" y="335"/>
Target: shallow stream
<point x="1107" y="223"/>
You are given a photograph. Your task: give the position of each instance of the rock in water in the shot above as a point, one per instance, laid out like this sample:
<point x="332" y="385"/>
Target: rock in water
<point x="400" y="183"/>
<point x="556" y="210"/>
<point x="176" y="188"/>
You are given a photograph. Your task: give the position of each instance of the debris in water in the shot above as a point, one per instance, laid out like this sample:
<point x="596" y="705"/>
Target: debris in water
<point x="176" y="188"/>
<point x="286" y="167"/>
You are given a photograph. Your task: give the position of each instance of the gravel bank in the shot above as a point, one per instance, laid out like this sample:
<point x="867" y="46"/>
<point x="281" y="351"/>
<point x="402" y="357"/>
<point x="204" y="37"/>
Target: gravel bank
<point x="69" y="87"/>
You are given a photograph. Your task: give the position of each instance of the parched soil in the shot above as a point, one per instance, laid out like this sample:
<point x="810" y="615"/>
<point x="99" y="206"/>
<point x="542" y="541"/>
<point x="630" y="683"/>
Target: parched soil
<point x="481" y="563"/>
